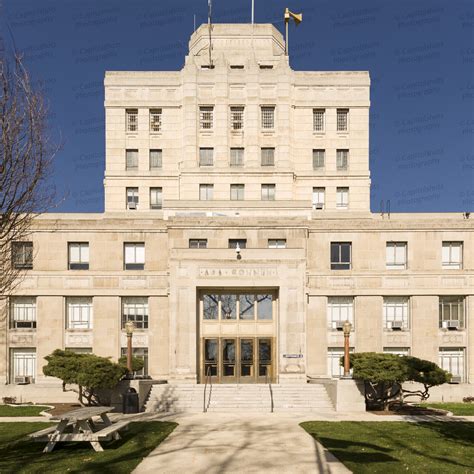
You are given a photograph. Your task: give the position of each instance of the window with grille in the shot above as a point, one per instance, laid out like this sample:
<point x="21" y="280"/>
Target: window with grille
<point x="156" y="198"/>
<point x="206" y="156"/>
<point x="268" y="156"/>
<point x="206" y="192"/>
<point x="236" y="118"/>
<point x="23" y="365"/>
<point x="277" y="243"/>
<point x="79" y="313"/>
<point x="198" y="243"/>
<point x="139" y="353"/>
<point x="23" y="312"/>
<point x="341" y="255"/>
<point x="131" y="161"/>
<point x="132" y="198"/>
<point x="268" y="117"/>
<point x="342" y="198"/>
<point x="134" y="256"/>
<point x="268" y="192"/>
<point x="334" y="367"/>
<point x="399" y="351"/>
<point x="451" y="312"/>
<point x="236" y="157"/>
<point x="242" y="243"/>
<point x="452" y="255"/>
<point x="318" y="120"/>
<point x="318" y="198"/>
<point x="395" y="313"/>
<point x="342" y="159"/>
<point x="136" y="311"/>
<point x="396" y="255"/>
<point x="156" y="159"/>
<point x="78" y="255"/>
<point x="342" y="120"/>
<point x="340" y="309"/>
<point x="155" y="120"/>
<point x="22" y="255"/>
<point x="206" y="118"/>
<point x="237" y="192"/>
<point x="453" y="361"/>
<point x="319" y="159"/>
<point x="131" y="117"/>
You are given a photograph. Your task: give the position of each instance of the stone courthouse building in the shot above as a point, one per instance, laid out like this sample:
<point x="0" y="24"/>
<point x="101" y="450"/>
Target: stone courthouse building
<point x="238" y="236"/>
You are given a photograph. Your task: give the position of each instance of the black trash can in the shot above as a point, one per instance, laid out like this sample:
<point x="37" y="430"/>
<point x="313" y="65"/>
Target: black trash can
<point x="130" y="401"/>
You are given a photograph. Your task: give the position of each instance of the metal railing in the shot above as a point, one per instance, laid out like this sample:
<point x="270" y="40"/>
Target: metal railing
<point x="208" y="381"/>
<point x="268" y="380"/>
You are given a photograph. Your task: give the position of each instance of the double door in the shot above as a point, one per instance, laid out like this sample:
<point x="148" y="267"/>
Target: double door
<point x="237" y="359"/>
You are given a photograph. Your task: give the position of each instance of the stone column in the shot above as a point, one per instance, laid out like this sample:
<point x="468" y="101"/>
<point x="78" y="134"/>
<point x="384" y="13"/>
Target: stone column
<point x="368" y="323"/>
<point x="158" y="337"/>
<point x="425" y="322"/>
<point x="107" y="322"/>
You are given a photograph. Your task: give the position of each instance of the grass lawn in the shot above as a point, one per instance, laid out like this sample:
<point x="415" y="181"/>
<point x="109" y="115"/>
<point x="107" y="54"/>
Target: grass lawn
<point x="394" y="447"/>
<point x="20" y="455"/>
<point x="461" y="409"/>
<point x="32" y="410"/>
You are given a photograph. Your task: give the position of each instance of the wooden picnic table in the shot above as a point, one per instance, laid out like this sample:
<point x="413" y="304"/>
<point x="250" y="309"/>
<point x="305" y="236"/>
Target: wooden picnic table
<point x="78" y="425"/>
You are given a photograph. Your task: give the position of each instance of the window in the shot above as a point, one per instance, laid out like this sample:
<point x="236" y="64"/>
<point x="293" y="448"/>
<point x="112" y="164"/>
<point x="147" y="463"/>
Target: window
<point x="318" y="120"/>
<point x="132" y="198"/>
<point x="198" y="243"/>
<point x="342" y="120"/>
<point x="395" y="313"/>
<point x="268" y="156"/>
<point x="268" y="192"/>
<point x="237" y="192"/>
<point x="342" y="159"/>
<point x="206" y="118"/>
<point x="139" y="353"/>
<point x="236" y="118"/>
<point x="227" y="306"/>
<point x="206" y="192"/>
<point x="340" y="309"/>
<point x="451" y="312"/>
<point x="452" y="255"/>
<point x="318" y="159"/>
<point x="453" y="361"/>
<point x="206" y="156"/>
<point x="136" y="311"/>
<point x="155" y="120"/>
<point x="268" y="117"/>
<point x="341" y="255"/>
<point x="277" y="243"/>
<point x="264" y="307"/>
<point x="342" y="198"/>
<point x="266" y="66"/>
<point x="236" y="157"/>
<point x="78" y="255"/>
<point x="131" y="116"/>
<point x="242" y="243"/>
<point x="318" y="198"/>
<point x="156" y="198"/>
<point x="210" y="305"/>
<point x="399" y="351"/>
<point x="23" y="365"/>
<point x="22" y="255"/>
<point x="236" y="66"/>
<point x="335" y="369"/>
<point x="131" y="159"/>
<point x="79" y="313"/>
<point x="23" y="312"/>
<point x="134" y="255"/>
<point x="396" y="255"/>
<point x="156" y="159"/>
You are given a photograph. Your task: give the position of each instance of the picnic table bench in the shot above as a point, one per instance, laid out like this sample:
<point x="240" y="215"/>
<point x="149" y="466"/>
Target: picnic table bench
<point x="78" y="425"/>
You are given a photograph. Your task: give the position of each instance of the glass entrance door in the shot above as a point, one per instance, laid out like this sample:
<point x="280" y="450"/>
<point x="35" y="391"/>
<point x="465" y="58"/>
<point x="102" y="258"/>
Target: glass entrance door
<point x="247" y="362"/>
<point x="228" y="358"/>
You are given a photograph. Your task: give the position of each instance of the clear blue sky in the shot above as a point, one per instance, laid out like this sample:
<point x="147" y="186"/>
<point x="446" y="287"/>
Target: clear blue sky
<point x="420" y="55"/>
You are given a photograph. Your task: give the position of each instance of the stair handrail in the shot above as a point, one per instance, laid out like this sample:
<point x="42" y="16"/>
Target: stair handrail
<point x="208" y="381"/>
<point x="269" y="382"/>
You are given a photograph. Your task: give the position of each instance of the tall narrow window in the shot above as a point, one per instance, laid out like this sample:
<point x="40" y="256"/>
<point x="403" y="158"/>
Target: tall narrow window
<point x="156" y="159"/>
<point x="334" y="367"/>
<point x="136" y="311"/>
<point x="132" y="198"/>
<point x="268" y="192"/>
<point x="155" y="120"/>
<point x="237" y="192"/>
<point x="342" y="159"/>
<point x="156" y="198"/>
<point x="340" y="309"/>
<point x="131" y="120"/>
<point x="236" y="118"/>
<point x="134" y="255"/>
<point x="206" y="118"/>
<point x="318" y="198"/>
<point x="268" y="117"/>
<point x="236" y="157"/>
<point x="131" y="159"/>
<point x="79" y="313"/>
<point x="452" y="255"/>
<point x="451" y="312"/>
<point x="22" y="255"/>
<point x="23" y="312"/>
<point x="341" y="253"/>
<point x="268" y="156"/>
<point x="206" y="156"/>
<point x="23" y="368"/>
<point x="452" y="360"/>
<point x="342" y="120"/>
<point x="396" y="255"/>
<point x="318" y="120"/>
<point x="78" y="255"/>
<point x="206" y="192"/>
<point x="319" y="159"/>
<point x="395" y="313"/>
<point x="342" y="198"/>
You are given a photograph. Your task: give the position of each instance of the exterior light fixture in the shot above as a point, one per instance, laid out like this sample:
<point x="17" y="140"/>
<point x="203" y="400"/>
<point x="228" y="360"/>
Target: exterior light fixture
<point x="346" y="328"/>
<point x="129" y="327"/>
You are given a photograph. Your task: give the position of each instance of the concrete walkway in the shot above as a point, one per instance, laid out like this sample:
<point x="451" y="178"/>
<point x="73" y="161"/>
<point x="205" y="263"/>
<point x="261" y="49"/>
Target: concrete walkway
<point x="240" y="443"/>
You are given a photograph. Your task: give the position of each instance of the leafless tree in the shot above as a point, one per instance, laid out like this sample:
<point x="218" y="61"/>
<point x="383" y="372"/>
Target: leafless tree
<point x="26" y="156"/>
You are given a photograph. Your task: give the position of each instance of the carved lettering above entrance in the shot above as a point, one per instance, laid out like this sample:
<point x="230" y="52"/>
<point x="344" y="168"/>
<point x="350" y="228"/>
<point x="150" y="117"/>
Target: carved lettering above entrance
<point x="237" y="272"/>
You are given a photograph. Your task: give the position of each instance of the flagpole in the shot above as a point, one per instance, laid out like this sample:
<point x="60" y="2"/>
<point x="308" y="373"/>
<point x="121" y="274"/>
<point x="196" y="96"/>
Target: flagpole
<point x="253" y="11"/>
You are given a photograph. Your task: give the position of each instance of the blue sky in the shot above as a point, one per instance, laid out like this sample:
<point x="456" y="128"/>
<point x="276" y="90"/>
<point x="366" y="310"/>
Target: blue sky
<point x="420" y="55"/>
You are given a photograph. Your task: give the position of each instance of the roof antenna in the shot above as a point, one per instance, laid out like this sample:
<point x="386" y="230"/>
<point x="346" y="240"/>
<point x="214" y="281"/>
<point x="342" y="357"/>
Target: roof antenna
<point x="381" y="208"/>
<point x="194" y="22"/>
<point x="209" y="24"/>
<point x="388" y="208"/>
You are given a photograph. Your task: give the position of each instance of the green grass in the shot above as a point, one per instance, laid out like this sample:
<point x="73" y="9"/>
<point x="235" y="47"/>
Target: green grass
<point x="394" y="447"/>
<point x="461" y="409"/>
<point x="32" y="410"/>
<point x="20" y="455"/>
